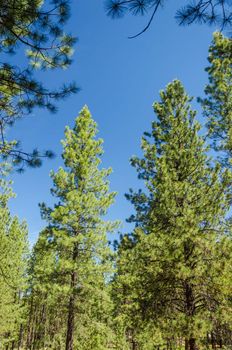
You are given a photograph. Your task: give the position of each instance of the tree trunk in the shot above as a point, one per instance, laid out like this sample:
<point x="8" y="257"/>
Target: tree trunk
<point x="30" y="325"/>
<point x="190" y="309"/>
<point x="192" y="344"/>
<point x="134" y="345"/>
<point x="40" y="326"/>
<point x="71" y="307"/>
<point x="71" y="316"/>
<point x="213" y="341"/>
<point x="20" y="337"/>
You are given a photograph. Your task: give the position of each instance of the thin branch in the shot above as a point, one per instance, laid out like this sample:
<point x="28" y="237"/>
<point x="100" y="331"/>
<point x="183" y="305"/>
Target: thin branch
<point x="149" y="22"/>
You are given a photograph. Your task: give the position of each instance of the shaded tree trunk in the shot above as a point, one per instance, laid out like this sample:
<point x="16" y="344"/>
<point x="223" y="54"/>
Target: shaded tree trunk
<point x="189" y="296"/>
<point x="71" y="307"/>
<point x="40" y="326"/>
<point x="71" y="316"/>
<point x="134" y="345"/>
<point x="20" y="337"/>
<point x="30" y="325"/>
<point x="192" y="344"/>
<point x="213" y="340"/>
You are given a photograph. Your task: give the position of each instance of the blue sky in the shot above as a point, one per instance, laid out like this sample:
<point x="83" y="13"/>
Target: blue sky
<point x="119" y="79"/>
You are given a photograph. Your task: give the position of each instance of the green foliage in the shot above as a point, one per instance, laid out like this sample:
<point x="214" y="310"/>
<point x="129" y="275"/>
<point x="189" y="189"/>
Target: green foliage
<point x="173" y="270"/>
<point x="71" y="262"/>
<point x="37" y="28"/>
<point x="169" y="285"/>
<point x="13" y="247"/>
<point x="217" y="105"/>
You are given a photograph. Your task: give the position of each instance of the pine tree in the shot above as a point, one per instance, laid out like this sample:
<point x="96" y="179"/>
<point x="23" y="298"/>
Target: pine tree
<point x="174" y="270"/>
<point x="13" y="260"/>
<point x="79" y="235"/>
<point x="35" y="28"/>
<point x="44" y="298"/>
<point x="217" y="109"/>
<point x="217" y="105"/>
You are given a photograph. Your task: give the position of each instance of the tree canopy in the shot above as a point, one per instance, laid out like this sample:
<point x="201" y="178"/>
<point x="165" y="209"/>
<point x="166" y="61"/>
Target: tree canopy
<point x="217" y="104"/>
<point x="171" y="268"/>
<point x="35" y="28"/>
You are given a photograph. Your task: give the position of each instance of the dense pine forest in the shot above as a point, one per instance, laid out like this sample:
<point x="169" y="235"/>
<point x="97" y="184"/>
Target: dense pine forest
<point x="167" y="284"/>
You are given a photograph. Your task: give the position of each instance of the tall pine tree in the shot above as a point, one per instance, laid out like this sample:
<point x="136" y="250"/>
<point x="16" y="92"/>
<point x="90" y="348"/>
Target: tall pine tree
<point x="13" y="263"/>
<point x="174" y="271"/>
<point x="217" y="104"/>
<point x="44" y="299"/>
<point x="78" y="234"/>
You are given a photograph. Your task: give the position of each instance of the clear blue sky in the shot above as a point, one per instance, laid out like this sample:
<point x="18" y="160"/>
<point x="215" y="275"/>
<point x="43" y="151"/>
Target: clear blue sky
<point x="120" y="79"/>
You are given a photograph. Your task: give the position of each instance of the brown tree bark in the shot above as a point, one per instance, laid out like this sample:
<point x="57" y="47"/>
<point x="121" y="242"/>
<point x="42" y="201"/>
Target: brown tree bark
<point x="30" y="325"/>
<point x="192" y="344"/>
<point x="71" y="316"/>
<point x="189" y="297"/>
<point x="71" y="306"/>
<point x="134" y="345"/>
<point x="213" y="340"/>
<point x="20" y="340"/>
<point x="40" y="326"/>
